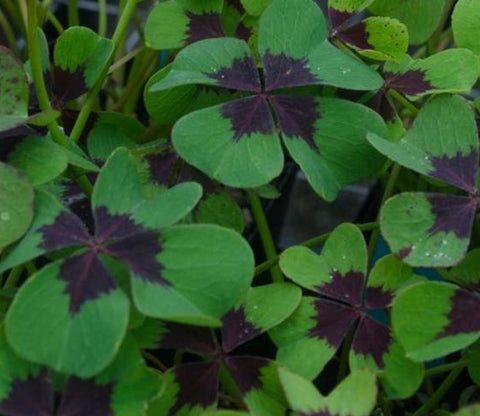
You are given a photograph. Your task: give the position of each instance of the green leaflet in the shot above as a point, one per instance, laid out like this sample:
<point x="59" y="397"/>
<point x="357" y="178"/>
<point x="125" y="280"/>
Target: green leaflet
<point x="466" y="24"/>
<point x="16" y="205"/>
<point x="420" y="16"/>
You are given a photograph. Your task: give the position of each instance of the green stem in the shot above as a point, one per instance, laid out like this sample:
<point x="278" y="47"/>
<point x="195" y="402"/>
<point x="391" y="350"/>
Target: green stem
<point x="15" y="15"/>
<point x="124" y="59"/>
<point x="13" y="277"/>
<point x="102" y="18"/>
<point x="384" y="404"/>
<point x="9" y="33"/>
<point x="389" y="190"/>
<point x="37" y="72"/>
<point x="117" y="37"/>
<point x="433" y="42"/>
<point x="265" y="235"/>
<point x="73" y="19"/>
<point x="313" y="242"/>
<point x="403" y="101"/>
<point x="55" y="22"/>
<point x="435" y="398"/>
<point x="445" y="367"/>
<point x="154" y="360"/>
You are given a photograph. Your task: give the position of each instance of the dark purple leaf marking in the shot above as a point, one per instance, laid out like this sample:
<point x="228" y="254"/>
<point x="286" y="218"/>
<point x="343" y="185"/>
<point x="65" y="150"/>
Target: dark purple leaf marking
<point x="85" y="397"/>
<point x="333" y="320"/>
<point x="237" y="4"/>
<point x="372" y="338"/>
<point x="459" y="170"/>
<point x="161" y="166"/>
<point x="188" y="337"/>
<point x="198" y="384"/>
<point x="377" y="298"/>
<point x="203" y="26"/>
<point x="356" y="35"/>
<point x="32" y="396"/>
<point x="139" y="251"/>
<point x="17" y="132"/>
<point x="452" y="214"/>
<point x="410" y="82"/>
<point x="248" y="115"/>
<point x="283" y="71"/>
<point x="404" y="252"/>
<point x="66" y="230"/>
<point x="338" y="18"/>
<point x="464" y="317"/>
<point x="68" y="85"/>
<point x="243" y="32"/>
<point x="87" y="279"/>
<point x="113" y="226"/>
<point x="241" y="75"/>
<point x="236" y="330"/>
<point x="348" y="288"/>
<point x="296" y="115"/>
<point x="246" y="371"/>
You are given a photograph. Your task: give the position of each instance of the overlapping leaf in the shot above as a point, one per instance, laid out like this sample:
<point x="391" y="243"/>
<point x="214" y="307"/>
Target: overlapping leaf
<point x="27" y="389"/>
<point x="420" y="16"/>
<point x="16" y="205"/>
<point x="311" y="336"/>
<point x="237" y="142"/>
<point x="434" y="229"/>
<point x="376" y="37"/>
<point x="84" y="296"/>
<point x="256" y="378"/>
<point x="433" y="319"/>
<point x="355" y="395"/>
<point x="449" y="71"/>
<point x="466" y="24"/>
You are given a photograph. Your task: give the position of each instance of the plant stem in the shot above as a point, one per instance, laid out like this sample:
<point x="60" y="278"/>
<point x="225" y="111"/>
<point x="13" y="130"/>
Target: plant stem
<point x="117" y="37"/>
<point x="9" y="33"/>
<point x="124" y="59"/>
<point x="403" y="101"/>
<point x="265" y="235"/>
<point x="313" y="242"/>
<point x="445" y="367"/>
<point x="154" y="360"/>
<point x="55" y="22"/>
<point x="389" y="190"/>
<point x="73" y="19"/>
<point x="435" y="398"/>
<point x="102" y="18"/>
<point x="37" y="72"/>
<point x="434" y="39"/>
<point x="13" y="277"/>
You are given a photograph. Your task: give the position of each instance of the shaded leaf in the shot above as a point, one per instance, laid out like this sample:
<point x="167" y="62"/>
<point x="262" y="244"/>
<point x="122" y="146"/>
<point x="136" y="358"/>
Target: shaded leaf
<point x="465" y="23"/>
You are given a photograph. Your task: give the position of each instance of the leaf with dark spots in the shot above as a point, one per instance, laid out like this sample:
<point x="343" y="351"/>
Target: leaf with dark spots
<point x="376" y="298"/>
<point x="87" y="279"/>
<point x="248" y="115"/>
<point x="113" y="227"/>
<point x="464" y="316"/>
<point x="203" y="26"/>
<point x="356" y="35"/>
<point x="236" y="330"/>
<point x="161" y="166"/>
<point x="241" y="75"/>
<point x="246" y="371"/>
<point x="411" y="82"/>
<point x="347" y="288"/>
<point x="68" y="85"/>
<point x="452" y="214"/>
<point x="188" y="338"/>
<point x="85" y="397"/>
<point x="139" y="252"/>
<point x="67" y="230"/>
<point x="296" y="115"/>
<point x="459" y="170"/>
<point x="372" y="339"/>
<point x="198" y="384"/>
<point x="32" y="396"/>
<point x="332" y="321"/>
<point x="283" y="71"/>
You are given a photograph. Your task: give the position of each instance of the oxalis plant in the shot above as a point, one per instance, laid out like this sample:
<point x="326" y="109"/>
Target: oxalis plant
<point x="132" y="179"/>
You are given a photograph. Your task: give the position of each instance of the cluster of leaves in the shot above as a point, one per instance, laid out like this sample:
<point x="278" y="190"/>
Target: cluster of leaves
<point x="127" y="287"/>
